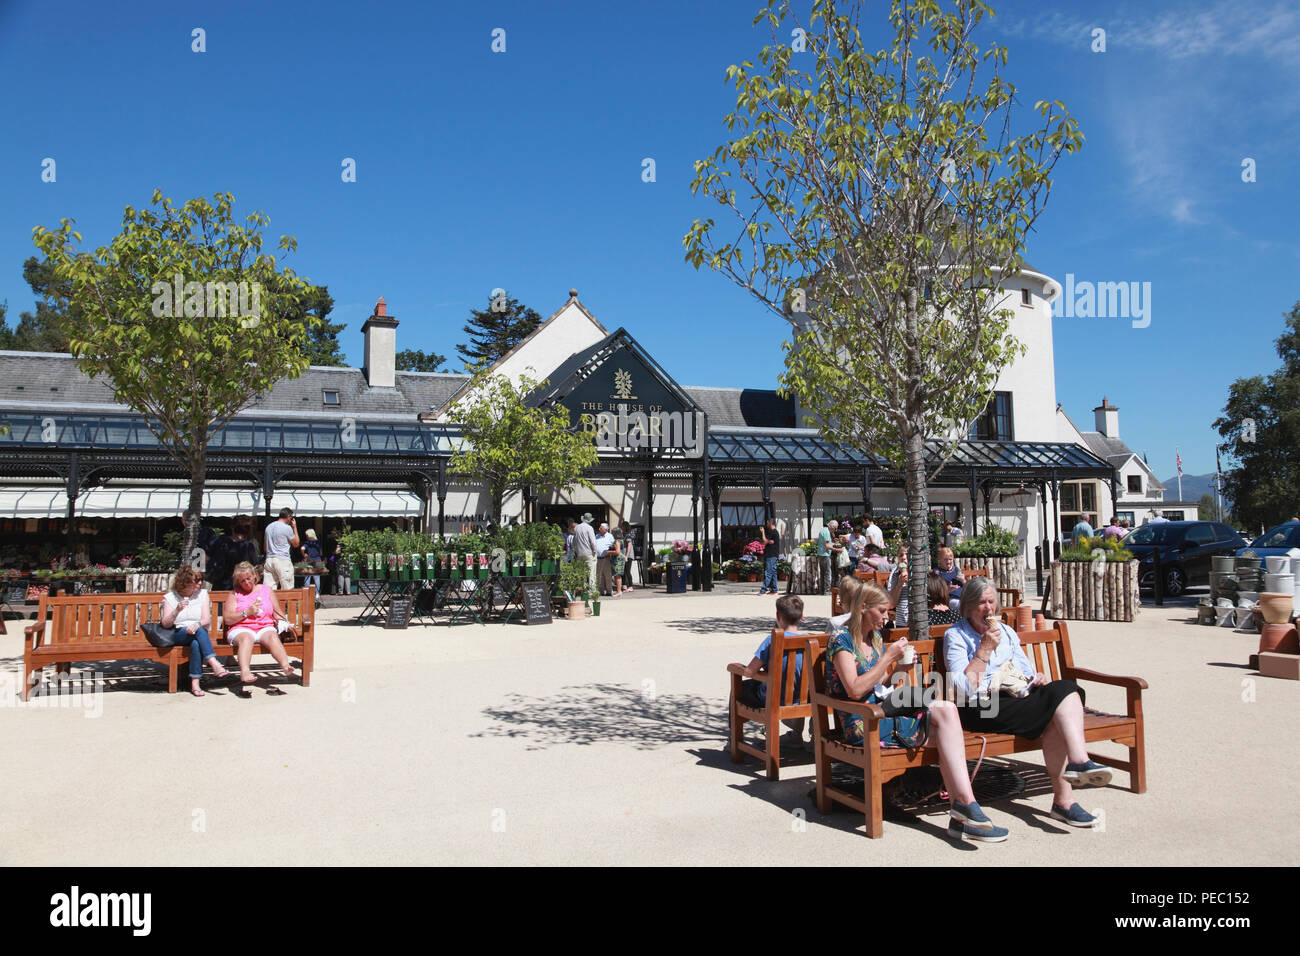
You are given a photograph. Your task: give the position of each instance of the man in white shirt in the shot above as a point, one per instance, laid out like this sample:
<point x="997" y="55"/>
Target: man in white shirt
<point x="277" y="572"/>
<point x="605" y="560"/>
<point x="874" y="534"/>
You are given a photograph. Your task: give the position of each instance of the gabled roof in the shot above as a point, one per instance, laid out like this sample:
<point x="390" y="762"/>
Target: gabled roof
<point x="1118" y="454"/>
<point x="581" y="365"/>
<point x="439" y="409"/>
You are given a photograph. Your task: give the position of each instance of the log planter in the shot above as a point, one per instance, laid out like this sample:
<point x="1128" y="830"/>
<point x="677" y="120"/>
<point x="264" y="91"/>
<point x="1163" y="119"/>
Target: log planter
<point x="1081" y="594"/>
<point x="149" y="583"/>
<point x="1007" y="572"/>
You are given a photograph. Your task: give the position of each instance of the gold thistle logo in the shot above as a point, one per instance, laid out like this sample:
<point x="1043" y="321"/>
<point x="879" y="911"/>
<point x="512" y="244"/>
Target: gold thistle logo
<point x="623" y="385"/>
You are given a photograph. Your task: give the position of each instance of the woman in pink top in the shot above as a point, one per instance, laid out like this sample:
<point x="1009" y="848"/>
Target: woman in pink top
<point x="253" y="616"/>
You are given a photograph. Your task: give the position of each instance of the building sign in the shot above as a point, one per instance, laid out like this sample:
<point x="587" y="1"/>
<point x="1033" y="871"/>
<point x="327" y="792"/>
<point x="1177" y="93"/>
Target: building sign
<point x="627" y="407"/>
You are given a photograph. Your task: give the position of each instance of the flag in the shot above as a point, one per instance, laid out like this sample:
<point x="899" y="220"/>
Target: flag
<point x="1180" y="463"/>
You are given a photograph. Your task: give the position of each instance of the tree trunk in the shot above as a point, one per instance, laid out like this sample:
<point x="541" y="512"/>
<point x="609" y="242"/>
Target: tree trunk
<point x="498" y="502"/>
<point x="194" y="514"/>
<point x="918" y="508"/>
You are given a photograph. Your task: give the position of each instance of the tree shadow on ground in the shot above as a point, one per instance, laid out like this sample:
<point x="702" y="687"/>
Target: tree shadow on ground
<point x="607" y="713"/>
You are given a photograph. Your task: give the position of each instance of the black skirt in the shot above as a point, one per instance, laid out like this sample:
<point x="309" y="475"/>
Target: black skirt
<point x="1022" y="716"/>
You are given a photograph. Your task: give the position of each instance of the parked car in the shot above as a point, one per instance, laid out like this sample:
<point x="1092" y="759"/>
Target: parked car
<point x="1276" y="541"/>
<point x="1185" y="551"/>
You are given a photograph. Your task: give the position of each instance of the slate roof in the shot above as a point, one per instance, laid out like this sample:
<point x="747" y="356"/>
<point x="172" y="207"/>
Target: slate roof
<point x="1116" y="452"/>
<point x="51" y="379"/>
<point x="755" y="407"/>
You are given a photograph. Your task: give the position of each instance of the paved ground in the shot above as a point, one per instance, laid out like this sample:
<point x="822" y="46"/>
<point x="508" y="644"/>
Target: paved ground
<point x="598" y="741"/>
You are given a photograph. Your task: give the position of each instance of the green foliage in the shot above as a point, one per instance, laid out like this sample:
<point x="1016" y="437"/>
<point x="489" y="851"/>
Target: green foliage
<point x="389" y="541"/>
<point x="1260" y="426"/>
<point x="322" y="346"/>
<point x="510" y="445"/>
<point x="1083" y="550"/>
<point x="191" y="368"/>
<point x="494" y="331"/>
<point x="417" y="360"/>
<point x="881" y="197"/>
<point x="993" y="542"/>
<point x="155" y="559"/>
<point x="574" y="579"/>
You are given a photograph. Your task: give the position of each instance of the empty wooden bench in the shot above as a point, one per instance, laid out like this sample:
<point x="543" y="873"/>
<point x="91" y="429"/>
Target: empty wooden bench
<point x="1049" y="652"/>
<point x="106" y="627"/>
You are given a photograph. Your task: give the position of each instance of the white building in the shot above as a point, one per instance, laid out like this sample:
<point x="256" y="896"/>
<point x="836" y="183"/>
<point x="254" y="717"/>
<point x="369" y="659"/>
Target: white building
<point x="736" y="452"/>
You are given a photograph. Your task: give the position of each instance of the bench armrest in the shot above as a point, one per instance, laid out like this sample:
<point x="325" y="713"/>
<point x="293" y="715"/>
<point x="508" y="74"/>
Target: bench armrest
<point x="32" y="632"/>
<point x="1083" y="673"/>
<point x="739" y="671"/>
<point x="867" y="711"/>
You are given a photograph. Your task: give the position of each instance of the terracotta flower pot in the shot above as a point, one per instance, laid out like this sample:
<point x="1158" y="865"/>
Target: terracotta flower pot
<point x="1279" y="639"/>
<point x="575" y="610"/>
<point x="1024" y="617"/>
<point x="1275" y="607"/>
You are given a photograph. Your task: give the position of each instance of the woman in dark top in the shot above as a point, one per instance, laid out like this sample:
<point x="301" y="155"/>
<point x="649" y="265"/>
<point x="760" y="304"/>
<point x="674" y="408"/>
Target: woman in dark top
<point x="229" y="550"/>
<point x="936" y="589"/>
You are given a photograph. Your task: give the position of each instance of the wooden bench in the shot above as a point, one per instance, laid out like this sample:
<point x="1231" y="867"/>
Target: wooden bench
<point x="106" y="627"/>
<point x="785" y="705"/>
<point x="1049" y="652"/>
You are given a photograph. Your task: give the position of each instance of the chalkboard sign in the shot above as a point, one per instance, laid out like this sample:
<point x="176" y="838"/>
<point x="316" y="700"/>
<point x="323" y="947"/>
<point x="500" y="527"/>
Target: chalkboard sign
<point x="16" y="594"/>
<point x="537" y="602"/>
<point x="399" y="612"/>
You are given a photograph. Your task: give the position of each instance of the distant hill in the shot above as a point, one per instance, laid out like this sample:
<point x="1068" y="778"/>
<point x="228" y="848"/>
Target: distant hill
<point x="1193" y="487"/>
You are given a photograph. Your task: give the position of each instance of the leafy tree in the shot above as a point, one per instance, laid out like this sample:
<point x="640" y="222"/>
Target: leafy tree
<point x="417" y="360"/>
<point x="1260" y="426"/>
<point x="1207" y="509"/>
<point x="509" y="444"/>
<point x="187" y="363"/>
<point x="885" y="198"/>
<point x="322" y="335"/>
<point x="494" y="331"/>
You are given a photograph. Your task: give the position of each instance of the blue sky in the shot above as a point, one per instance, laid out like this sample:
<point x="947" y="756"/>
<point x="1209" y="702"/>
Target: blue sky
<point x="522" y="169"/>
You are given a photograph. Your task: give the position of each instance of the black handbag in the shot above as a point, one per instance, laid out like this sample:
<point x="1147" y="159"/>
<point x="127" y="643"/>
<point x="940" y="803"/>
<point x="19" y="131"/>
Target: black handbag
<point x="157" y="635"/>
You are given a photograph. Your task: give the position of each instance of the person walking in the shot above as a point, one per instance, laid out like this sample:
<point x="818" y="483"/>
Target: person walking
<point x="771" y="555"/>
<point x="311" y="552"/>
<point x="281" y="535"/>
<point x="826" y="551"/>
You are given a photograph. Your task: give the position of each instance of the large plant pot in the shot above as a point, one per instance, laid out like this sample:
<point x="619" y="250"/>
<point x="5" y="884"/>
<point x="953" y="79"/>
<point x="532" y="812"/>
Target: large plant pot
<point x="1276" y="608"/>
<point x="1279" y="639"/>
<point x="575" y="611"/>
<point x="1223" y="563"/>
<point x="1276" y="564"/>
<point x="1279" y="583"/>
<point x="1078" y="593"/>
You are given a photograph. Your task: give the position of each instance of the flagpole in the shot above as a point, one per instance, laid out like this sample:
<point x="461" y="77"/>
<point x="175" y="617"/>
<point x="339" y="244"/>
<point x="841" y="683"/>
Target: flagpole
<point x="1180" y="473"/>
<point x="1218" y="485"/>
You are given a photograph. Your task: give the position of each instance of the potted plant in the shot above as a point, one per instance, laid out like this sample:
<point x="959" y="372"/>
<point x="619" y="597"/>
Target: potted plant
<point x="1095" y="580"/>
<point x="680" y="551"/>
<point x="997" y="549"/>
<point x="573" y="585"/>
<point x="784" y="569"/>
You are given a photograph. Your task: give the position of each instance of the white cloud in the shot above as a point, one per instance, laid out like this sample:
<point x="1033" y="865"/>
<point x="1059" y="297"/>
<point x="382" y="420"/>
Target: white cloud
<point x="1182" y="211"/>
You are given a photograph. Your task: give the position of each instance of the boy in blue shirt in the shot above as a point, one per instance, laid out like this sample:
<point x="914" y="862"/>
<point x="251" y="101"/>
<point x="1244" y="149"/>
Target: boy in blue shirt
<point x="753" y="693"/>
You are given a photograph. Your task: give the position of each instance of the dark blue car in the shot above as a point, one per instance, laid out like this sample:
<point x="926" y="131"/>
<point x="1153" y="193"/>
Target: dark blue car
<point x="1275" y="541"/>
<point x="1185" y="551"/>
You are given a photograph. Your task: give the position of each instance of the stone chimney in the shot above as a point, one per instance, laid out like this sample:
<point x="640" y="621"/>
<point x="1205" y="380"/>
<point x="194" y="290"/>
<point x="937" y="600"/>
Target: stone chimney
<point x="1107" y="418"/>
<point x="380" y="332"/>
